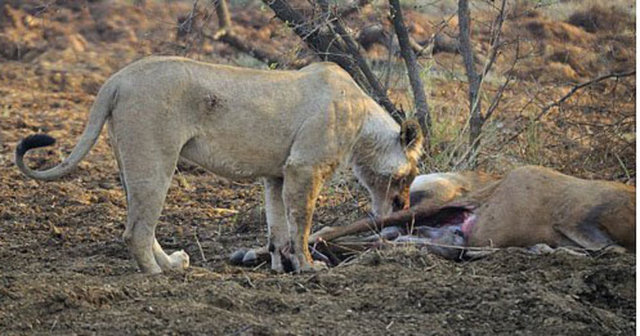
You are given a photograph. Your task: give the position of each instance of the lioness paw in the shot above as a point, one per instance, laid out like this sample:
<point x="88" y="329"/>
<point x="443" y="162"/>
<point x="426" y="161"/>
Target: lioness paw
<point x="179" y="260"/>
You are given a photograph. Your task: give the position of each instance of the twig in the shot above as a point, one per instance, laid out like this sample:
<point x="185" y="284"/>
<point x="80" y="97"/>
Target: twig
<point x="258" y="266"/>
<point x="186" y="25"/>
<point x="352" y="47"/>
<point x="571" y="92"/>
<point x="195" y="235"/>
<point x="437" y="42"/>
<point x="53" y="325"/>
<point x="623" y="166"/>
<point x="498" y="96"/>
<point x="248" y="280"/>
<point x="233" y="40"/>
<point x="378" y="90"/>
<point x="225" y="211"/>
<point x="495" y="41"/>
<point x="321" y="42"/>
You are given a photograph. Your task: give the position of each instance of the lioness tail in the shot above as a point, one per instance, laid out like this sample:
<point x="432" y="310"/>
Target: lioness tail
<point x="100" y="111"/>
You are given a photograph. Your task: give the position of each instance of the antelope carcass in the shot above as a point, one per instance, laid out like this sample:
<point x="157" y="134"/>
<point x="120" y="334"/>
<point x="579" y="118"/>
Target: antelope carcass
<point x="529" y="206"/>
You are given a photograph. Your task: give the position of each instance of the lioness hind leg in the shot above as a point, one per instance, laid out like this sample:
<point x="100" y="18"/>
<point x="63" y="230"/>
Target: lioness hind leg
<point x="144" y="204"/>
<point x="147" y="183"/>
<point x="145" y="201"/>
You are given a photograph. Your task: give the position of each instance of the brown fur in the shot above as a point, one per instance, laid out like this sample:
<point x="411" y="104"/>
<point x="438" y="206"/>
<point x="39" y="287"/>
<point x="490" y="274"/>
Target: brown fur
<point x="534" y="205"/>
<point x="530" y="205"/>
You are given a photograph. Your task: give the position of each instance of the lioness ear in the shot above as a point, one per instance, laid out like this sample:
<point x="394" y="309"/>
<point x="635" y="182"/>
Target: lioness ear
<point x="411" y="135"/>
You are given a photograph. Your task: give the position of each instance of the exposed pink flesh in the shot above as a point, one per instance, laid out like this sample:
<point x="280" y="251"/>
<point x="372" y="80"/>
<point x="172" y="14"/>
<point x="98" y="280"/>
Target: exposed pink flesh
<point x="467" y="225"/>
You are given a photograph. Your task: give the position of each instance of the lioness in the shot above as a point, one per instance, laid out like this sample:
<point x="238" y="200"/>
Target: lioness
<point x="291" y="128"/>
<point x="530" y="205"/>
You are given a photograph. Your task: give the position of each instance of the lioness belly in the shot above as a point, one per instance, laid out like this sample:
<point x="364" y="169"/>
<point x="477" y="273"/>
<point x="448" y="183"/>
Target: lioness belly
<point x="233" y="162"/>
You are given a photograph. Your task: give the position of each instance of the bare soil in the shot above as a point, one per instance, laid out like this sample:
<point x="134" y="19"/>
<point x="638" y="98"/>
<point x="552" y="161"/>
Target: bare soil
<point x="65" y="270"/>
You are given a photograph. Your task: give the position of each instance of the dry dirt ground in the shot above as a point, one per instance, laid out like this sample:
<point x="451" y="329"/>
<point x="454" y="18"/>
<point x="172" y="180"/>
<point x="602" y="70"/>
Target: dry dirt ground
<point x="65" y="270"/>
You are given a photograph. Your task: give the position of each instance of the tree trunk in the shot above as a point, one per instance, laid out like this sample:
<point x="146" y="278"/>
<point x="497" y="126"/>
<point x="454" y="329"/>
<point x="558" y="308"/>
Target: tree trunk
<point x="419" y="97"/>
<point x="222" y="11"/>
<point x="475" y="118"/>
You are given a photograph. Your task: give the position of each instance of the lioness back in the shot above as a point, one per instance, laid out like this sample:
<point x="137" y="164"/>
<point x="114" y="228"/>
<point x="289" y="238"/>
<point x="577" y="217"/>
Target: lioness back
<point x="240" y="122"/>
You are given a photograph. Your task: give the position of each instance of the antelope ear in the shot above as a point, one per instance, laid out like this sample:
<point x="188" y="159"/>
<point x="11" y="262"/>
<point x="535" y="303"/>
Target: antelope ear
<point x="411" y="136"/>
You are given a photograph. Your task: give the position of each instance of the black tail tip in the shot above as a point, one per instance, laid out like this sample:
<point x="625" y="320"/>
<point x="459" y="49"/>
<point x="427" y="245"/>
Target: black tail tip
<point x="34" y="141"/>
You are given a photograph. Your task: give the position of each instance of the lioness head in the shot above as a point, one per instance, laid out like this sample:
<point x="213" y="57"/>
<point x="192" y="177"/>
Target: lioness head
<point x="388" y="167"/>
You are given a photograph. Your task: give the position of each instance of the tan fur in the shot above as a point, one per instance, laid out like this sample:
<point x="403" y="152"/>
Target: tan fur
<point x="441" y="188"/>
<point x="530" y="205"/>
<point x="292" y="128"/>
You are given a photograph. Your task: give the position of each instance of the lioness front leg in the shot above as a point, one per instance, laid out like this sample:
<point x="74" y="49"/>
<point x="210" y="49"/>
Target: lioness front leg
<point x="278" y="231"/>
<point x="276" y="220"/>
<point x="302" y="185"/>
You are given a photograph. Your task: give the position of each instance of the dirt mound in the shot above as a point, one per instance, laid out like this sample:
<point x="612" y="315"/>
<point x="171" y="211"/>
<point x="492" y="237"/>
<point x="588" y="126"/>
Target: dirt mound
<point x="400" y="291"/>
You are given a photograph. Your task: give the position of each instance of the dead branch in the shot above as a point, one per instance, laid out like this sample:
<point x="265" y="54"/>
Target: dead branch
<point x="364" y="67"/>
<point x="497" y="98"/>
<point x="226" y="34"/>
<point x="422" y="109"/>
<point x="352" y="48"/>
<point x="496" y="33"/>
<point x="222" y="11"/>
<point x="185" y="23"/>
<point x="268" y="57"/>
<point x="321" y="41"/>
<point x="325" y="43"/>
